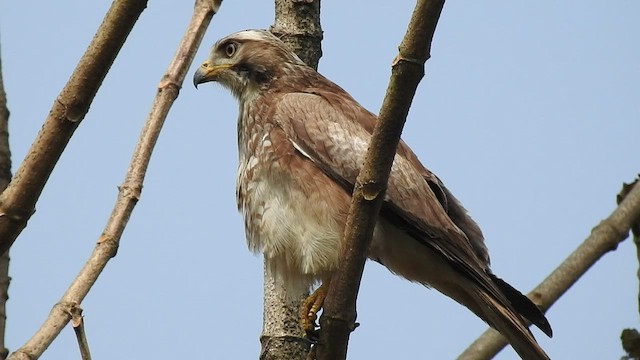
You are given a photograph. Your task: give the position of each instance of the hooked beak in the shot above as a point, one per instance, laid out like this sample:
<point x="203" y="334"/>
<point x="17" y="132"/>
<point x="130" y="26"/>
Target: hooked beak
<point x="207" y="72"/>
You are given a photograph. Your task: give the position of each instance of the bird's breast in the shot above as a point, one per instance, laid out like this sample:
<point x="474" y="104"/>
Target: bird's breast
<point x="293" y="213"/>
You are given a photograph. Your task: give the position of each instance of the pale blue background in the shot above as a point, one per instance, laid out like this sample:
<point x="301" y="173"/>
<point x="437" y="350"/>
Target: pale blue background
<point x="529" y="112"/>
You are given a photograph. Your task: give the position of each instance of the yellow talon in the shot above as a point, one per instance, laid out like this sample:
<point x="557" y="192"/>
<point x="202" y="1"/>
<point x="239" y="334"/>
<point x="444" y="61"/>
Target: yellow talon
<point x="310" y="308"/>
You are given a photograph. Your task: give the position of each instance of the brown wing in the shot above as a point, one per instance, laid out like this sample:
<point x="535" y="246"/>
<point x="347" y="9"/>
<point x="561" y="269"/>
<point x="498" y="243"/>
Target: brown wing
<point x="334" y="132"/>
<point x="330" y="128"/>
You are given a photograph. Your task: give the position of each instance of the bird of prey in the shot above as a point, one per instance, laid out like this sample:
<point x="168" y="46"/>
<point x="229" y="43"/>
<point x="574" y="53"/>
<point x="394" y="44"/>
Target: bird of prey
<point x="302" y="141"/>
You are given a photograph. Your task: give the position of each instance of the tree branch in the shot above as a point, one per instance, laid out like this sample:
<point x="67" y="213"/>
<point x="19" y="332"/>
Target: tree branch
<point x="630" y="337"/>
<point x="130" y="190"/>
<point x="635" y="226"/>
<point x="297" y="24"/>
<point x="604" y="237"/>
<point x="77" y="321"/>
<point x="5" y="177"/>
<point x="17" y="202"/>
<point x="339" y="314"/>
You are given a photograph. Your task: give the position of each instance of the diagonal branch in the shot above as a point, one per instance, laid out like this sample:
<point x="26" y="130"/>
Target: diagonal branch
<point x="407" y="70"/>
<point x="17" y="202"/>
<point x="604" y="237"/>
<point x="130" y="189"/>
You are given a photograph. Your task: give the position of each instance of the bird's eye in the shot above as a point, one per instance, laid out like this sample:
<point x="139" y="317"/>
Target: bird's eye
<point x="230" y="49"/>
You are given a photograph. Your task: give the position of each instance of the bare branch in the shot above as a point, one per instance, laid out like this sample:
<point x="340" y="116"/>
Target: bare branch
<point x="5" y="153"/>
<point x="297" y="23"/>
<point x="77" y="321"/>
<point x="5" y="280"/>
<point x="130" y="189"/>
<point x="5" y="177"/>
<point x="635" y="226"/>
<point x="604" y="237"/>
<point x="17" y="202"/>
<point x="338" y="319"/>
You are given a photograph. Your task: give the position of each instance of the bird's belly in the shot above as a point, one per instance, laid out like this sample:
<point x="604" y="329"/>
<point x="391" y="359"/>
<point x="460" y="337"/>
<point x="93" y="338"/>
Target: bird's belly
<point x="298" y="232"/>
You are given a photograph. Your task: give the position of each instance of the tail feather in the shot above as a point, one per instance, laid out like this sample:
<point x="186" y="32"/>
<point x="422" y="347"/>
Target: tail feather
<point x="510" y="325"/>
<point x="523" y="305"/>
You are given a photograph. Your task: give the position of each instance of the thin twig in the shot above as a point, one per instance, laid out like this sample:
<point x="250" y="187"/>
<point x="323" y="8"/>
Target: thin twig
<point x="5" y="152"/>
<point x="604" y="237"/>
<point x="77" y="321"/>
<point x="17" y="202"/>
<point x="338" y="319"/>
<point x="130" y="189"/>
<point x="5" y="177"/>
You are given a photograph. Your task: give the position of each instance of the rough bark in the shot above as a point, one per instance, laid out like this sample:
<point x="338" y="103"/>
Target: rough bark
<point x="130" y="190"/>
<point x="282" y="338"/>
<point x="338" y="319"/>
<point x="604" y="237"/>
<point x="5" y="177"/>
<point x="297" y="23"/>
<point x="17" y="202"/>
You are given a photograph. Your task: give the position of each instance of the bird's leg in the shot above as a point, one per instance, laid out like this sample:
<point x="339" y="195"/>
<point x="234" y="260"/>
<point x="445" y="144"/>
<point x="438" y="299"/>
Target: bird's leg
<point x="311" y="306"/>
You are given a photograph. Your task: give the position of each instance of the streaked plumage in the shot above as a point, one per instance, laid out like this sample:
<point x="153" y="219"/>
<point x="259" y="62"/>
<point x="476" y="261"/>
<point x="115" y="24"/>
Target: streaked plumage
<point x="302" y="140"/>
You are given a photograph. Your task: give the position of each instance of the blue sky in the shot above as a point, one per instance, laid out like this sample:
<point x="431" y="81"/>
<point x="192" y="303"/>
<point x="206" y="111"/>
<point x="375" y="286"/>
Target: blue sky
<point x="529" y="112"/>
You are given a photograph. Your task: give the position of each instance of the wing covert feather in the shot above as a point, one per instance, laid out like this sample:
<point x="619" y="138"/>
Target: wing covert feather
<point x="333" y="131"/>
<point x="336" y="135"/>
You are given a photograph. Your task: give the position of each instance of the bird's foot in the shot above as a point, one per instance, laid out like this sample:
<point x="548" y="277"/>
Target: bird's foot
<point x="309" y="310"/>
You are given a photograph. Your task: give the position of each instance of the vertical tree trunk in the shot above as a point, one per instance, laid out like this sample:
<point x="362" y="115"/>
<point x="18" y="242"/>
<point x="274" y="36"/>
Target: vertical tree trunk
<point x="297" y="23"/>
<point x="282" y="338"/>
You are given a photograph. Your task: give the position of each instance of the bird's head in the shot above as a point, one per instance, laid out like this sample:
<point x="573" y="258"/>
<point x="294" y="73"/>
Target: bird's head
<point x="246" y="61"/>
